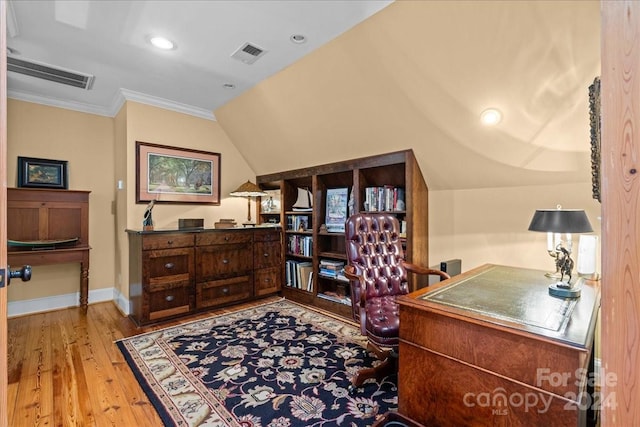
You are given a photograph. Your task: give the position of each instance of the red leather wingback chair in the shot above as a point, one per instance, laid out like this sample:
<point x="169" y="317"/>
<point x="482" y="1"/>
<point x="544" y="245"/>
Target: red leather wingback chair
<point x="378" y="274"/>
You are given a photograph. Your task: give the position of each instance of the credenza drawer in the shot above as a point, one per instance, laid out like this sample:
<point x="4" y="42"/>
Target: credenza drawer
<point x="167" y="241"/>
<point x="166" y="299"/>
<point x="223" y="238"/>
<point x="220" y="292"/>
<point x="266" y="254"/>
<point x="267" y="281"/>
<point x="222" y="261"/>
<point x="168" y="262"/>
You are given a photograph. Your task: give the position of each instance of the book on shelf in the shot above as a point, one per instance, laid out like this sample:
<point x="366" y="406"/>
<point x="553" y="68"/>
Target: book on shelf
<point x="336" y="212"/>
<point x="300" y="245"/>
<point x="270" y="203"/>
<point x="304" y="202"/>
<point x="332" y="296"/>
<point x="297" y="274"/>
<point x="385" y="198"/>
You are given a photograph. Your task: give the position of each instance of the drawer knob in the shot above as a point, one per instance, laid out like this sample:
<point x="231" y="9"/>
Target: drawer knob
<point x="225" y="261"/>
<point x="226" y="238"/>
<point x="169" y="298"/>
<point x="266" y="254"/>
<point x="267" y="280"/>
<point x="169" y="265"/>
<point x="225" y="290"/>
<point x="169" y="242"/>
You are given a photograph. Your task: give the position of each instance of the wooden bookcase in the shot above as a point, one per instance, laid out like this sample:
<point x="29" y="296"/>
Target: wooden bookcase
<point x="397" y="170"/>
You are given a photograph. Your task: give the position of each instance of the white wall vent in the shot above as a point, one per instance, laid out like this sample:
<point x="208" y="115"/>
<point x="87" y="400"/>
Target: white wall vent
<point x="248" y="53"/>
<point x="50" y="73"/>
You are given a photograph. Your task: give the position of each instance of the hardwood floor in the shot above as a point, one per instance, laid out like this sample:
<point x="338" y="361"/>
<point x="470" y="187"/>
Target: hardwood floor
<point x="65" y="370"/>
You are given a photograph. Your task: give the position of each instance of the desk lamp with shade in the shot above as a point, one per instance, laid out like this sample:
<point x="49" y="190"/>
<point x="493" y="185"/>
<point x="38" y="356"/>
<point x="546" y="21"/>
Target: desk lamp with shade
<point x="248" y="190"/>
<point x="558" y="224"/>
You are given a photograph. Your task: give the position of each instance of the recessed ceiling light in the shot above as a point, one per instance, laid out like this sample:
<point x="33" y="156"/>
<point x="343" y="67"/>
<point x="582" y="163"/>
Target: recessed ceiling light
<point x="162" y="43"/>
<point x="490" y="117"/>
<point x="298" y="38"/>
<point x="229" y="86"/>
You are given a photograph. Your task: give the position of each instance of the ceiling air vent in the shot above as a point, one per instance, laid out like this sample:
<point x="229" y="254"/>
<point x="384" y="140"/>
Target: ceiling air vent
<point x="248" y="53"/>
<point x="50" y="73"/>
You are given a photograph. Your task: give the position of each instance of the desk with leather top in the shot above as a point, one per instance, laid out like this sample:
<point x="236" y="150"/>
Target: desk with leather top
<point x="492" y="347"/>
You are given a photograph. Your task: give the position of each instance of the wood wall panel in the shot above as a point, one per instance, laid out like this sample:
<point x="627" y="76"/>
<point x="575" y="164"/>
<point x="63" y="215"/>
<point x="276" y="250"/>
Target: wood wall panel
<point x="621" y="219"/>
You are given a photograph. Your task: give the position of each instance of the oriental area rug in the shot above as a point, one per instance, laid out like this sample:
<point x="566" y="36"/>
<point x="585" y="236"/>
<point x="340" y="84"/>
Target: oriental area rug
<point x="275" y="365"/>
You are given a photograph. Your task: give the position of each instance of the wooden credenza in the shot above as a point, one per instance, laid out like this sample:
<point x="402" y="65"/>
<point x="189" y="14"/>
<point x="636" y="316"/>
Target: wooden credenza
<point x="491" y="348"/>
<point x="174" y="273"/>
<point x="45" y="220"/>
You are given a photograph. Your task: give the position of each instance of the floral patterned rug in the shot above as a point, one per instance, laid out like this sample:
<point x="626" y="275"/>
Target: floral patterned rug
<point x="275" y="365"/>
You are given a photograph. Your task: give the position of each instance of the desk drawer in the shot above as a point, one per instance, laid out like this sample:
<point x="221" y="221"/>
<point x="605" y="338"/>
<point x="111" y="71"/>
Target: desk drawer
<point x="222" y="292"/>
<point x="267" y="235"/>
<point x="167" y="241"/>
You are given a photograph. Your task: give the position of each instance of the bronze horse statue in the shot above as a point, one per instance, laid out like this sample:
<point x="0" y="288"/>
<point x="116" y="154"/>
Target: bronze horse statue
<point x="564" y="264"/>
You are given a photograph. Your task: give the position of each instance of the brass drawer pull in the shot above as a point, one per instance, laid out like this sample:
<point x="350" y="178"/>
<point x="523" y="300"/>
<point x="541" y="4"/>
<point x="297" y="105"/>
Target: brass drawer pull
<point x="169" y="298"/>
<point x="169" y="265"/>
<point x="225" y="261"/>
<point x="267" y="280"/>
<point x="225" y="290"/>
<point x="266" y="255"/>
<point x="169" y="242"/>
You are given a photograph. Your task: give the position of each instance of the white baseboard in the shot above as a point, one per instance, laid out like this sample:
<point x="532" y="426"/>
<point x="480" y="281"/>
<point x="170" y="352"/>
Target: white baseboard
<point x="38" y="305"/>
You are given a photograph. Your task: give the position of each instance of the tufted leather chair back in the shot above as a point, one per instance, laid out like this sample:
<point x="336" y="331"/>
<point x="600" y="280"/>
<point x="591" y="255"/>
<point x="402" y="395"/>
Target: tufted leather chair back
<point x="374" y="248"/>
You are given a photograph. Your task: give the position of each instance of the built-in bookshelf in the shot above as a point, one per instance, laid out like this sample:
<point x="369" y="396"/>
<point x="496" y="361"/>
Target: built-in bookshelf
<point x="312" y="203"/>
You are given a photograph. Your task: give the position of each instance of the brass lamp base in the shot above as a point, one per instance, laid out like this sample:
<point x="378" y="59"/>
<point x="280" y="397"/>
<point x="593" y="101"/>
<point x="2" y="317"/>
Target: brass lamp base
<point x="565" y="290"/>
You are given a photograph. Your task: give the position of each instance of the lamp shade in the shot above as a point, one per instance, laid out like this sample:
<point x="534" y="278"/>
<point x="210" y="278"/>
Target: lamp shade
<point x="248" y="189"/>
<point x="560" y="221"/>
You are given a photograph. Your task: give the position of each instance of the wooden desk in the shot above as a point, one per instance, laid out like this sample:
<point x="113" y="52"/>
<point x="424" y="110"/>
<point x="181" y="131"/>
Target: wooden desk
<point x="491" y="347"/>
<point x="45" y="215"/>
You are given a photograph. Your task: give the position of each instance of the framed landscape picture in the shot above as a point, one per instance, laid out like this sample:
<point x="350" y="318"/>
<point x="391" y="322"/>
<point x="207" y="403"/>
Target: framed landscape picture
<point x="176" y="175"/>
<point x="42" y="173"/>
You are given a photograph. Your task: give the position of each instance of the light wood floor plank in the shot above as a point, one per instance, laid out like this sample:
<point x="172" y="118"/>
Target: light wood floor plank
<point x="65" y="369"/>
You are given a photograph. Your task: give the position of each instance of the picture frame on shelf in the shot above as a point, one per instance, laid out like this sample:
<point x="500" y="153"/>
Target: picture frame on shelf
<point x="176" y="175"/>
<point x="42" y="173"/>
<point x="594" y="125"/>
<point x="270" y="203"/>
<point x="336" y="210"/>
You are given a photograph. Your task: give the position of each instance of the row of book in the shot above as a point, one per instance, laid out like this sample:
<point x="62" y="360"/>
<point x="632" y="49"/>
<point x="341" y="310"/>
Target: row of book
<point x="386" y="198"/>
<point x="300" y="245"/>
<point x="298" y="222"/>
<point x="299" y="275"/>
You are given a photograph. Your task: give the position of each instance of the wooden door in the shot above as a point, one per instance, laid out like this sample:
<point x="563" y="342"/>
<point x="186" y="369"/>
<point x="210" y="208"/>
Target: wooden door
<point x="3" y="213"/>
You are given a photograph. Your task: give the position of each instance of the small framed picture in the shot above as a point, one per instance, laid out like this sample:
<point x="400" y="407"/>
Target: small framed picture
<point x="42" y="173"/>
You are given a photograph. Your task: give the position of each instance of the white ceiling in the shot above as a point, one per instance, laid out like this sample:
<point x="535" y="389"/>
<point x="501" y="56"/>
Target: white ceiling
<point x="108" y="39"/>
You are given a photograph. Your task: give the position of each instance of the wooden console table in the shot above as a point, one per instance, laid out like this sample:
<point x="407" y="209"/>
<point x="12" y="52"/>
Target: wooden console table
<point x="491" y="347"/>
<point x="46" y="219"/>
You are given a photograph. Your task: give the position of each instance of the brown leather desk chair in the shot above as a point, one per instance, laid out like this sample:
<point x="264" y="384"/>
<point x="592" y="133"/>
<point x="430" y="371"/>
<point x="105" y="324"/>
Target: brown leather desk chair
<point x="378" y="273"/>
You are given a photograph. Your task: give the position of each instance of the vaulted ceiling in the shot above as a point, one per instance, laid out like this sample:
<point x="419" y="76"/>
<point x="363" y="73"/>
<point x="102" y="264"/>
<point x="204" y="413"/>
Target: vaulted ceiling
<point x="407" y="74"/>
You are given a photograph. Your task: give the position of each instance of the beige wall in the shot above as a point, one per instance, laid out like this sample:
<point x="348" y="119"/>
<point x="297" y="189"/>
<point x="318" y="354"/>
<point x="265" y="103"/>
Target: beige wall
<point x="155" y="125"/>
<point x="490" y="225"/>
<point x="86" y="142"/>
<point x="101" y="151"/>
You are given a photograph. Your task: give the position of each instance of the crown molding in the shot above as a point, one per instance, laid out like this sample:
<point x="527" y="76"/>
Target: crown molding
<point x="130" y="95"/>
<point x="121" y="97"/>
<point x="54" y="102"/>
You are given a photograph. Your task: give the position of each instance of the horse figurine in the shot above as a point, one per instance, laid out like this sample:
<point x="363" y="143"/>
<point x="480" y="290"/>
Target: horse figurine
<point x="564" y="264"/>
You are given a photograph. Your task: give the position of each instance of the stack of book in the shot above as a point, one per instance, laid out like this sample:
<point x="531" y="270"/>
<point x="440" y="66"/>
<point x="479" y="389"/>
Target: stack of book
<point x="333" y="269"/>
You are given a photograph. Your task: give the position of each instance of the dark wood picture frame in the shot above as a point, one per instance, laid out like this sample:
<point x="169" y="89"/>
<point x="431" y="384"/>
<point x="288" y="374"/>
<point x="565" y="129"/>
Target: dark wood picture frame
<point x="42" y="173"/>
<point x="176" y="175"/>
<point x="594" y="123"/>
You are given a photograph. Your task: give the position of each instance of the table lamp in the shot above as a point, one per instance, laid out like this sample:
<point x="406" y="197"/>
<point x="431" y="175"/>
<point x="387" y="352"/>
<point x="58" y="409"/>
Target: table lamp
<point x="556" y="223"/>
<point x="248" y="190"/>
